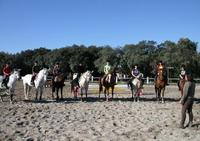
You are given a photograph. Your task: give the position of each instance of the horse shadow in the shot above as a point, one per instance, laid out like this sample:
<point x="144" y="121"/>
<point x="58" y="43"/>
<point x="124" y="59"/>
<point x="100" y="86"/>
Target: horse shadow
<point x="92" y="99"/>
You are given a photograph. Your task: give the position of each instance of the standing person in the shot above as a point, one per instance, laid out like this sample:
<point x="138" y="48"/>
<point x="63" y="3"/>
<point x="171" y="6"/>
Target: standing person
<point x="35" y="71"/>
<point x="6" y="72"/>
<point x="187" y="100"/>
<point x="181" y="75"/>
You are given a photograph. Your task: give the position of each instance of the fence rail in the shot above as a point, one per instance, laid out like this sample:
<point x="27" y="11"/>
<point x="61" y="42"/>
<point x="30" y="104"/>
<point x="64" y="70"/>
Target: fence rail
<point x="147" y="80"/>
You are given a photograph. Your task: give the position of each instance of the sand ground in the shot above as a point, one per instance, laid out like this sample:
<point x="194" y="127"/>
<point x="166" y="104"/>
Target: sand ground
<point x="96" y="119"/>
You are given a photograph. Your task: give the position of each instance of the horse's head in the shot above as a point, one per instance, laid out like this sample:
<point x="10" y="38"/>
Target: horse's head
<point x="43" y="73"/>
<point x="74" y="76"/>
<point x="160" y="74"/>
<point x="16" y="73"/>
<point x="87" y="75"/>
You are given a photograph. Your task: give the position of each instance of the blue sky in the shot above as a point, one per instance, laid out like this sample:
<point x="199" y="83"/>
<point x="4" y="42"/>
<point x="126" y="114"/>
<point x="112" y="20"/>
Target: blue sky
<point x="30" y="24"/>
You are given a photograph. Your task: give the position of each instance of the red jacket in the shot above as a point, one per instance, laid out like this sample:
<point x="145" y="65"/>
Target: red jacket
<point x="6" y="71"/>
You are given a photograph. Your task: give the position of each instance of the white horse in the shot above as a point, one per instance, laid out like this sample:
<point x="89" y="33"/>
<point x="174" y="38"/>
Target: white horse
<point x="83" y="83"/>
<point x="11" y="85"/>
<point x="39" y="81"/>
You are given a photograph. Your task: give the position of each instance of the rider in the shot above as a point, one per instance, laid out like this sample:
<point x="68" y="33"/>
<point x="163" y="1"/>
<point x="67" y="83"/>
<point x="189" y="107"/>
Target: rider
<point x="107" y="71"/>
<point x="80" y="69"/>
<point x="136" y="73"/>
<point x="182" y="74"/>
<point x="35" y="71"/>
<point x="56" y="71"/>
<point x="161" y="66"/>
<point x="6" y="72"/>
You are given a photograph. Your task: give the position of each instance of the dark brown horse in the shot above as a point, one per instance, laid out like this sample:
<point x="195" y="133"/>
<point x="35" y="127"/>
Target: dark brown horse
<point x="181" y="85"/>
<point x="58" y="83"/>
<point x="160" y="84"/>
<point x="108" y="81"/>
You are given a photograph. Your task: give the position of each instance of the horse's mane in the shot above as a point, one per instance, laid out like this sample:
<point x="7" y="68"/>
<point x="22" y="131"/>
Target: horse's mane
<point x="42" y="72"/>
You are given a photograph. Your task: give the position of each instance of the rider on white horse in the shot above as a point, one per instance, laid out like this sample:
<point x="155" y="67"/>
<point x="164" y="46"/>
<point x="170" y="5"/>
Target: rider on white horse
<point x="136" y="74"/>
<point x="80" y="69"/>
<point x="6" y="72"/>
<point x="35" y="71"/>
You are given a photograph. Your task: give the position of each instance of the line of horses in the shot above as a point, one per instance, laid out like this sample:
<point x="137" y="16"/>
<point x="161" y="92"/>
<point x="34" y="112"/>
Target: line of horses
<point x="136" y="85"/>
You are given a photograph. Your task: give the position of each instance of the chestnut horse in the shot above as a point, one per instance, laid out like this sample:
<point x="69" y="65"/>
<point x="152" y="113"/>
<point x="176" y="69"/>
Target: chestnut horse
<point x="108" y="82"/>
<point x="181" y="85"/>
<point x="160" y="84"/>
<point x="58" y="83"/>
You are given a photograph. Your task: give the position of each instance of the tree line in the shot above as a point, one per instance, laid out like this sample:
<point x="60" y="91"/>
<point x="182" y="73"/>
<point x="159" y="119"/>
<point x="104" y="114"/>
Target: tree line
<point x="145" y="54"/>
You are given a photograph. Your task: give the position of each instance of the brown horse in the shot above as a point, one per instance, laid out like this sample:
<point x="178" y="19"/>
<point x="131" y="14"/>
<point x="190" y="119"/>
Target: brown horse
<point x="58" y="83"/>
<point x="160" y="84"/>
<point x="181" y="85"/>
<point x="108" y="81"/>
<point x="136" y="85"/>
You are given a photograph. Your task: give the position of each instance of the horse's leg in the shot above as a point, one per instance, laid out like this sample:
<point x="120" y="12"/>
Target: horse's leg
<point x="52" y="92"/>
<point x="61" y="92"/>
<point x="57" y="96"/>
<point x="36" y="93"/>
<point x="112" y="91"/>
<point x="41" y="92"/>
<point x="159" y="94"/>
<point x="105" y="93"/>
<point x="81" y="94"/>
<point x="11" y="95"/>
<point x="163" y="91"/>
<point x="86" y="91"/>
<point x="25" y="91"/>
<point x="100" y="88"/>
<point x="28" y="90"/>
<point x="135" y="95"/>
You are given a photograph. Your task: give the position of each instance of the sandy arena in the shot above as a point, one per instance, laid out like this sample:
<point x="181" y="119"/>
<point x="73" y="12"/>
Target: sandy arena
<point x="95" y="119"/>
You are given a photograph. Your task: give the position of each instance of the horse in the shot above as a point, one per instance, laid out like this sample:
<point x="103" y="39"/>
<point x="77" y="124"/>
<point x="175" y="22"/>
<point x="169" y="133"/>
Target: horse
<point x="58" y="83"/>
<point x="83" y="84"/>
<point x="181" y="85"/>
<point x="15" y="75"/>
<point x="160" y="84"/>
<point x="136" y="87"/>
<point x="39" y="81"/>
<point x="107" y="82"/>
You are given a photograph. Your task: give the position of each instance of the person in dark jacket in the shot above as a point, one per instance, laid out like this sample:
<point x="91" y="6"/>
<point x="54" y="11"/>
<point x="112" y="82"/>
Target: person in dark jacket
<point x="35" y="71"/>
<point x="187" y="100"/>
